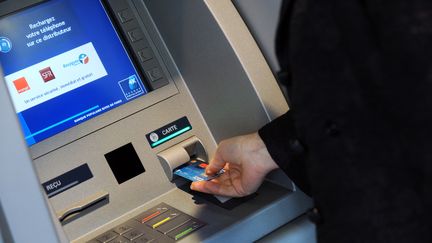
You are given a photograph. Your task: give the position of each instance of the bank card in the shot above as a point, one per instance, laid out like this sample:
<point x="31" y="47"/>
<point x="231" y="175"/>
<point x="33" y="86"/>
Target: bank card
<point x="195" y="171"/>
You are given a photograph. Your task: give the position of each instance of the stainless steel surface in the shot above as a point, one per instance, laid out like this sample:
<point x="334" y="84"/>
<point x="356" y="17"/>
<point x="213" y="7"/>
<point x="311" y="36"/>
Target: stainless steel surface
<point x="262" y="19"/>
<point x="81" y="205"/>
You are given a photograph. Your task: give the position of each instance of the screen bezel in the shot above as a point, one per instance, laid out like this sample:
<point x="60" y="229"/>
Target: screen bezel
<point x="119" y="113"/>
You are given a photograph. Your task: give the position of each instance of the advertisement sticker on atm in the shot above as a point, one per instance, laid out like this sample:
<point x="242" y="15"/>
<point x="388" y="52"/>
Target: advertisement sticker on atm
<point x="168" y="132"/>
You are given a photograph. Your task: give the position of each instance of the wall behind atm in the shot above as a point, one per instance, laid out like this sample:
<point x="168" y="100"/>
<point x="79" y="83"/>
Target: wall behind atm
<point x="262" y="19"/>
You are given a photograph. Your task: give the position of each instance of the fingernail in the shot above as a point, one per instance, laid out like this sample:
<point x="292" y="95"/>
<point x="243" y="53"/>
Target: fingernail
<point x="192" y="187"/>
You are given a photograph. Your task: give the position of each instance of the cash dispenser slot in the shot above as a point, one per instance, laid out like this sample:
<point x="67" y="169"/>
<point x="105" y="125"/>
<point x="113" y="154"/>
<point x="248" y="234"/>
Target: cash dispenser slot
<point x="181" y="154"/>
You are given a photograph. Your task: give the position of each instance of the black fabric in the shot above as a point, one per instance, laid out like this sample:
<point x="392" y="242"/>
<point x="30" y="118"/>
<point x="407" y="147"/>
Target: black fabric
<point x="281" y="140"/>
<point x="360" y="79"/>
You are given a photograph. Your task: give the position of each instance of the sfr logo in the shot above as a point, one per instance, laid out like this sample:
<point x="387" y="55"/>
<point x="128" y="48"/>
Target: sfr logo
<point x="47" y="74"/>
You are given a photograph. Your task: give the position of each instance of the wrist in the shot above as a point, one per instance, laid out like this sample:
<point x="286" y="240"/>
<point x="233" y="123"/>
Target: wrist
<point x="260" y="152"/>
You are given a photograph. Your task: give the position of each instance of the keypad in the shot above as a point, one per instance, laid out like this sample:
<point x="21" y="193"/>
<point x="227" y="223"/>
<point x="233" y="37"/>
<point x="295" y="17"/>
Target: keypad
<point x="161" y="223"/>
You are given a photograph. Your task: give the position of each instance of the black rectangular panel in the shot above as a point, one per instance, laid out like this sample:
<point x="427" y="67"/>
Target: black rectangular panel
<point x="168" y="132"/>
<point x="67" y="180"/>
<point x="124" y="163"/>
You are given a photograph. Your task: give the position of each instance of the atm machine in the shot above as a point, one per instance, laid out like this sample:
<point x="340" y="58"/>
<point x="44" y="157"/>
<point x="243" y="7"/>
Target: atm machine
<point x="114" y="96"/>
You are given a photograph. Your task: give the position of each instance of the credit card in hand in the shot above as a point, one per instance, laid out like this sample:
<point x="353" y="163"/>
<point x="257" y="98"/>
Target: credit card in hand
<point x="195" y="171"/>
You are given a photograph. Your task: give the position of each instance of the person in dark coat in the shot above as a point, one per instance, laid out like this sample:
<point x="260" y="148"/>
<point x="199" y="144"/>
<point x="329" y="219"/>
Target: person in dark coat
<point x="358" y="137"/>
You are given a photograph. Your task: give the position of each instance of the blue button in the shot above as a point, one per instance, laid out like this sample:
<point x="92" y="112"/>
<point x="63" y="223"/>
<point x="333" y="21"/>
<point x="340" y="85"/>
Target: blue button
<point x="5" y="45"/>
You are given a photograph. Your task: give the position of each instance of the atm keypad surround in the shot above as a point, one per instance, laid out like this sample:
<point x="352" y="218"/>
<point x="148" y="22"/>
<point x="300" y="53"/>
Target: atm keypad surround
<point x="161" y="223"/>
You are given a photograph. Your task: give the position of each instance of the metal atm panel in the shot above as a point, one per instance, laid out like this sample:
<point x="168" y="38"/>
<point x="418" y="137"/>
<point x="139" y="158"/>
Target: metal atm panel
<point x="215" y="78"/>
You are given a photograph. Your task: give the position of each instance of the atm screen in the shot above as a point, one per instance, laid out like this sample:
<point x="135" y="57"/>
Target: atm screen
<point x="64" y="64"/>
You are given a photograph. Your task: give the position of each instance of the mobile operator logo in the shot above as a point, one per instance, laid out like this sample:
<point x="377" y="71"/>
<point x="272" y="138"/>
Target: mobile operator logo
<point x="21" y="85"/>
<point x="82" y="59"/>
<point x="5" y="45"/>
<point x="47" y="74"/>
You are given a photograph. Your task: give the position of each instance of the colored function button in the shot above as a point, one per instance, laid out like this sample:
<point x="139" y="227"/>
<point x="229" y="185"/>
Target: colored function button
<point x="152" y="214"/>
<point x="136" y="35"/>
<point x="185" y="229"/>
<point x="157" y="213"/>
<point x="174" y="224"/>
<point x="145" y="54"/>
<point x="163" y="221"/>
<point x="125" y="15"/>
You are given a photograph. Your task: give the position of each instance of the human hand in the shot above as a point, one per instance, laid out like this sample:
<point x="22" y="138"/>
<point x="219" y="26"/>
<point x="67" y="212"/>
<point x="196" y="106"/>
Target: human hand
<point x="246" y="162"/>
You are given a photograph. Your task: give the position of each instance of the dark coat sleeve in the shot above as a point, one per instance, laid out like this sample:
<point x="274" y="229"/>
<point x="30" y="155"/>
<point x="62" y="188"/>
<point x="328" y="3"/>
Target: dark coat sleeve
<point x="282" y="142"/>
<point x="280" y="136"/>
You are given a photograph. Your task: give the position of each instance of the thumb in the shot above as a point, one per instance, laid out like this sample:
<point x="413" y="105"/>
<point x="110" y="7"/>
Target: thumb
<point x="227" y="152"/>
<point x="216" y="164"/>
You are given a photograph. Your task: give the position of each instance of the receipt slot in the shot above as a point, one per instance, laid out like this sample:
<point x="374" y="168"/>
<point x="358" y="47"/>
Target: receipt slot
<point x="111" y="100"/>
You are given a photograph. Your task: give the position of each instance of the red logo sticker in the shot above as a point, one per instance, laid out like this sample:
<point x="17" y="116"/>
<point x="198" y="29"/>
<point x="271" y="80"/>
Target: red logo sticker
<point x="21" y="85"/>
<point x="47" y="74"/>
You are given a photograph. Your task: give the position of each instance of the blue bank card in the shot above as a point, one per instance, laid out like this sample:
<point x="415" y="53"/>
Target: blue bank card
<point x="195" y="171"/>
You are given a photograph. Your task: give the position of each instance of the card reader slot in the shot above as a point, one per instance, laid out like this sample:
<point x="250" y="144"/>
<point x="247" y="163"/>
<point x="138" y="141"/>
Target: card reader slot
<point x="82" y="205"/>
<point x="180" y="154"/>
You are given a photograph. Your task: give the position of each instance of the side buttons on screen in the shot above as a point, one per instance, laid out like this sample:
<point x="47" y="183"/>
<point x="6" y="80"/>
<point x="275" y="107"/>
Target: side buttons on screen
<point x="135" y="35"/>
<point x="145" y="54"/>
<point x="125" y="15"/>
<point x="154" y="74"/>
